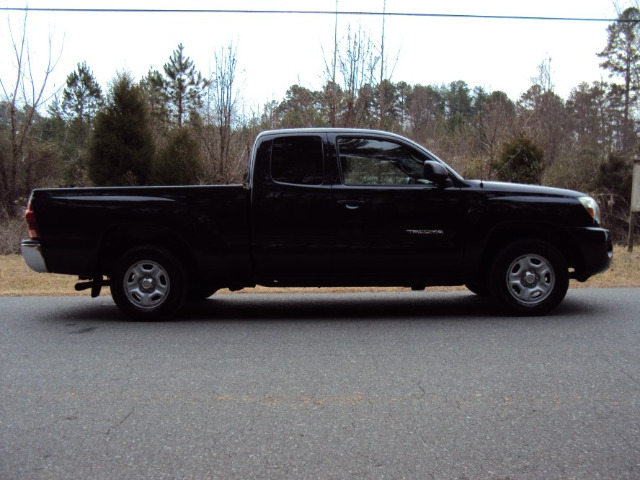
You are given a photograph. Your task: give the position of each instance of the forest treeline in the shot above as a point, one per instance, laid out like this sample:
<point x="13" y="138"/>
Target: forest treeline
<point x="175" y="126"/>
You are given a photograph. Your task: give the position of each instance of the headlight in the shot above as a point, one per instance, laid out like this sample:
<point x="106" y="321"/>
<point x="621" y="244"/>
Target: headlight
<point x="592" y="207"/>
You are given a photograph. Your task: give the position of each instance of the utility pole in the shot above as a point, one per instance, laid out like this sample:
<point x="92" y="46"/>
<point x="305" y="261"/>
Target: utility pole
<point x="635" y="202"/>
<point x="384" y="15"/>
<point x="381" y="86"/>
<point x="333" y="109"/>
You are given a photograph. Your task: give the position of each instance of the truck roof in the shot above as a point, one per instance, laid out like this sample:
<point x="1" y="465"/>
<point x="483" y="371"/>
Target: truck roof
<point x="316" y="130"/>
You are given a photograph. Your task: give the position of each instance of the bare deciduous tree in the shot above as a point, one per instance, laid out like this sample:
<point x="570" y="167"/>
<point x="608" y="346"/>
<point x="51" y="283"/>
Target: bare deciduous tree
<point x="492" y="126"/>
<point x="357" y="67"/>
<point x="225" y="161"/>
<point x="23" y="94"/>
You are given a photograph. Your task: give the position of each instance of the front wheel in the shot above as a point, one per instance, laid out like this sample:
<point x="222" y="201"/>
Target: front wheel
<point x="148" y="283"/>
<point x="530" y="277"/>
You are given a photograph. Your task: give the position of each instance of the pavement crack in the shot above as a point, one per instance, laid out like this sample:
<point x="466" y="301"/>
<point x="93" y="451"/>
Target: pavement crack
<point x="620" y="369"/>
<point x="631" y="445"/>
<point x="630" y="376"/>
<point x="124" y="419"/>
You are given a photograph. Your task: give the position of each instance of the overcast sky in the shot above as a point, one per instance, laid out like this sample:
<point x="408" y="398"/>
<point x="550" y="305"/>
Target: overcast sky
<point x="276" y="51"/>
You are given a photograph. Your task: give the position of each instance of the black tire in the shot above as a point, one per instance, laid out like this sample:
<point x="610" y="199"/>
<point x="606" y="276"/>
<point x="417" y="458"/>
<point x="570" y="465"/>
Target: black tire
<point x="529" y="277"/>
<point x="148" y="283"/>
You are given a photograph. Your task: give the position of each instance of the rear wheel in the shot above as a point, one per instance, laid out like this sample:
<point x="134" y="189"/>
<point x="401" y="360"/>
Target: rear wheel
<point x="148" y="283"/>
<point x="530" y="277"/>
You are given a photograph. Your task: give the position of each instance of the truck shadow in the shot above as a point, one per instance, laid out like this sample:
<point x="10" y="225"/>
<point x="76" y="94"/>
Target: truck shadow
<point x="360" y="306"/>
<point x="339" y="306"/>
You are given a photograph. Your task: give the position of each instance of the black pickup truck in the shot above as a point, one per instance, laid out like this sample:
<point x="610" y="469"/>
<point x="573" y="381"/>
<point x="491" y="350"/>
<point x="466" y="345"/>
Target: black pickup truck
<point x="323" y="207"/>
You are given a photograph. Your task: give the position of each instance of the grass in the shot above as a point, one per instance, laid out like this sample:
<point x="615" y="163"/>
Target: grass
<point x="17" y="280"/>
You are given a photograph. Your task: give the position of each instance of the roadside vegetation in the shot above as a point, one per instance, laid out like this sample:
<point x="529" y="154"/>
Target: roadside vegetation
<point x="17" y="280"/>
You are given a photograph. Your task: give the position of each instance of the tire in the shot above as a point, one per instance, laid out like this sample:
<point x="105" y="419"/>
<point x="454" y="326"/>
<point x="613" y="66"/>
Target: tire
<point x="148" y="283"/>
<point x="529" y="277"/>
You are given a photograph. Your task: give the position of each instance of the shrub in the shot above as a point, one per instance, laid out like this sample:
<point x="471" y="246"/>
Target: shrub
<point x="11" y="232"/>
<point x="520" y="161"/>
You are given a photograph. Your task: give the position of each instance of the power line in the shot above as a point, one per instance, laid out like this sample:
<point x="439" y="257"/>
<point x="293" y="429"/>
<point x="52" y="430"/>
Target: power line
<point x="315" y="12"/>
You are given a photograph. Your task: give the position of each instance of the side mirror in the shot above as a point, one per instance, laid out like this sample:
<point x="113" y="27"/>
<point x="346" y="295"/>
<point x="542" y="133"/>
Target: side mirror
<point x="436" y="173"/>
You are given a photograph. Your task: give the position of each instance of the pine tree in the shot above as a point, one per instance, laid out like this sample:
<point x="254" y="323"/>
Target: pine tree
<point x="158" y="102"/>
<point x="183" y="85"/>
<point x="81" y="100"/>
<point x="622" y="59"/>
<point x="122" y="149"/>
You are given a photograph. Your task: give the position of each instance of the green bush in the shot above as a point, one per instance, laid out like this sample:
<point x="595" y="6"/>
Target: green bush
<point x="520" y="161"/>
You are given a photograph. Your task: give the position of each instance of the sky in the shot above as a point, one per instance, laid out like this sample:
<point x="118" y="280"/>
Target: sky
<point x="276" y="51"/>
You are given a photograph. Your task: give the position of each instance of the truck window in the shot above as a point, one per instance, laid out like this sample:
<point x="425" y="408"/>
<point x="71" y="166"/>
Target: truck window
<point x="368" y="161"/>
<point x="298" y="160"/>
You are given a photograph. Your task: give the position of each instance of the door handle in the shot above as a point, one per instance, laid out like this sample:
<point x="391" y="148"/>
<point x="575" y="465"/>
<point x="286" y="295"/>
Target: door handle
<point x="352" y="204"/>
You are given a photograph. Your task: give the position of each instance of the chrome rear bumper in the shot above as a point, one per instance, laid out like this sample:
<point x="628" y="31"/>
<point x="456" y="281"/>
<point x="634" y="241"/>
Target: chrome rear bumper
<point x="32" y="254"/>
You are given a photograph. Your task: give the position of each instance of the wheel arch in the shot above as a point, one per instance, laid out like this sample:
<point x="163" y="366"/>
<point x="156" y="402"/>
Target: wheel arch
<point x="508" y="233"/>
<point x="122" y="238"/>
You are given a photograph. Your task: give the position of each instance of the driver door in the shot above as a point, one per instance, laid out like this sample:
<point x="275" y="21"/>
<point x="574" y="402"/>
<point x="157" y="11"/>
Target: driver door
<point x="392" y="221"/>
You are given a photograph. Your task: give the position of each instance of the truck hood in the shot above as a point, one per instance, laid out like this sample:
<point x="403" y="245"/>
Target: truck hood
<point x="517" y="189"/>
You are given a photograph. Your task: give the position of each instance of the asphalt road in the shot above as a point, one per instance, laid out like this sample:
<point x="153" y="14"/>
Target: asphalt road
<point x="415" y="385"/>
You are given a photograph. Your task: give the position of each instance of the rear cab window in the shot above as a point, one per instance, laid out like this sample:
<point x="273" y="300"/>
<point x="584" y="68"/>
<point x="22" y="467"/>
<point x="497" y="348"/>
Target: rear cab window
<point x="298" y="160"/>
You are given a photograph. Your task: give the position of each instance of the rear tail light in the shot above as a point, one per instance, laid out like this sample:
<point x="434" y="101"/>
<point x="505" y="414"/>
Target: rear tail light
<point x="32" y="225"/>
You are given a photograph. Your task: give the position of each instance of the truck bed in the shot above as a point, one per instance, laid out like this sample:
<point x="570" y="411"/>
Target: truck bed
<point x="210" y="222"/>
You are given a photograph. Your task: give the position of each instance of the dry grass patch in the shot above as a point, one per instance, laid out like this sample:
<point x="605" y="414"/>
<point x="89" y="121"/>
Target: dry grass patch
<point x="16" y="279"/>
<point x="624" y="271"/>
